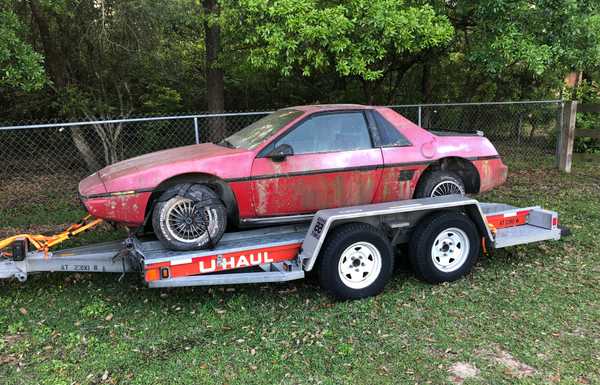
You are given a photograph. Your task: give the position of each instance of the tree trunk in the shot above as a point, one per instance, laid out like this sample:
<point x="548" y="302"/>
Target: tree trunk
<point x="55" y="62"/>
<point x="84" y="149"/>
<point x="57" y="71"/>
<point x="426" y="94"/>
<point x="215" y="88"/>
<point x="368" y="91"/>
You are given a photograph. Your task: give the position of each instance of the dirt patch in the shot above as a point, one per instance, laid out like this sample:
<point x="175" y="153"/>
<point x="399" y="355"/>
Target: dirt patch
<point x="9" y="341"/>
<point x="514" y="367"/>
<point x="41" y="189"/>
<point x="33" y="229"/>
<point x="46" y="229"/>
<point x="460" y="371"/>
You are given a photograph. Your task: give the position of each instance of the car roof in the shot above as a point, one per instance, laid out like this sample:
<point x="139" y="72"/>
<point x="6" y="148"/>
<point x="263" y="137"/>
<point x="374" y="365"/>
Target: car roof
<point x="330" y="107"/>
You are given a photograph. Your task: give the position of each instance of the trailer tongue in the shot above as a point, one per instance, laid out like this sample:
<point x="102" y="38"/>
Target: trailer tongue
<point x="353" y="246"/>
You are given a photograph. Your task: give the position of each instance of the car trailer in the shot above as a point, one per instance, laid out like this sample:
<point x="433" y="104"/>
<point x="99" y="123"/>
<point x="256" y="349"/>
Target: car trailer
<point x="353" y="247"/>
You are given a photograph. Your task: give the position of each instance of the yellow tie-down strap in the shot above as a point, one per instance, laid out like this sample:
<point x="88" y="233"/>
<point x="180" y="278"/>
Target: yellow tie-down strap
<point x="45" y="242"/>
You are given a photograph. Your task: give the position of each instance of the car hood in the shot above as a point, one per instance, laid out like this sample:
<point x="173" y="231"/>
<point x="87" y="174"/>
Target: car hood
<point x="170" y="158"/>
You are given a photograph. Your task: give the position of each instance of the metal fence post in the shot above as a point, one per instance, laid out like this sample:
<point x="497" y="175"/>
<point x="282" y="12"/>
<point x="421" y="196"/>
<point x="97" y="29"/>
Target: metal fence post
<point x="567" y="136"/>
<point x="419" y="118"/>
<point x="196" y="132"/>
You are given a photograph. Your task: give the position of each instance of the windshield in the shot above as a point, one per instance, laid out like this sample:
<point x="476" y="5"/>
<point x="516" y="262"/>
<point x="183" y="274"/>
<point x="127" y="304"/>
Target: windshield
<point x="254" y="134"/>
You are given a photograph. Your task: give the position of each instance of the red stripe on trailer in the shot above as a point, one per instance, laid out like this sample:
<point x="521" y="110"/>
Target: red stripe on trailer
<point x="514" y="218"/>
<point x="220" y="262"/>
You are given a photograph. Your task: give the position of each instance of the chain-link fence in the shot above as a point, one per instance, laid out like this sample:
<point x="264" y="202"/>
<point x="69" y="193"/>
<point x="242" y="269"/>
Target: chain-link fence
<point x="524" y="130"/>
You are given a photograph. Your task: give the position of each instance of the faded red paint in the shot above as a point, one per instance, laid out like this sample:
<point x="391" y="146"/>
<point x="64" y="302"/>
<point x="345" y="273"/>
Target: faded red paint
<point x="492" y="173"/>
<point x="129" y="209"/>
<point x="292" y="194"/>
<point x="395" y="186"/>
<point x="263" y="187"/>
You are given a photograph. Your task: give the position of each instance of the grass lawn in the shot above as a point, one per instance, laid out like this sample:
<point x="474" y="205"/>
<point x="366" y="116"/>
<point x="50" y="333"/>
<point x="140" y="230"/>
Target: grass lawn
<point x="526" y="315"/>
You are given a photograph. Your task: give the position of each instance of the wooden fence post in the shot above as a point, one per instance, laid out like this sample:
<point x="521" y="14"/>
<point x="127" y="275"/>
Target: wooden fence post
<point x="567" y="137"/>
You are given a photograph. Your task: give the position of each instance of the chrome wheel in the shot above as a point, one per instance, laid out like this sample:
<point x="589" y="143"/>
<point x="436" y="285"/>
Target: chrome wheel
<point x="450" y="249"/>
<point x="447" y="187"/>
<point x="360" y="265"/>
<point x="190" y="223"/>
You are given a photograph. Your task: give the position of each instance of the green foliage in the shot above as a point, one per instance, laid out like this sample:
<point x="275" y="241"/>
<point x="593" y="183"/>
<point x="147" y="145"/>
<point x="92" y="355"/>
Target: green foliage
<point x="20" y="66"/>
<point x="148" y="56"/>
<point x="357" y="38"/>
<point x="588" y="92"/>
<point x="543" y="35"/>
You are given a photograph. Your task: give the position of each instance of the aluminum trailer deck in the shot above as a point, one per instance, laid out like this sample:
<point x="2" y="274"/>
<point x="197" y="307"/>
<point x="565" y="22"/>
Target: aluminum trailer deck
<point x="284" y="253"/>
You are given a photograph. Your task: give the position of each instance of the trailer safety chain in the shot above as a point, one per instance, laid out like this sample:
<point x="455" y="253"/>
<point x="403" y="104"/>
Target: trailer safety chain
<point x="45" y="242"/>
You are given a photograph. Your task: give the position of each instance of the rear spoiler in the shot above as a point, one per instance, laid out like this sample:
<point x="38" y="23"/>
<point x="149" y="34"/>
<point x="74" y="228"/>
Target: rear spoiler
<point x="446" y="132"/>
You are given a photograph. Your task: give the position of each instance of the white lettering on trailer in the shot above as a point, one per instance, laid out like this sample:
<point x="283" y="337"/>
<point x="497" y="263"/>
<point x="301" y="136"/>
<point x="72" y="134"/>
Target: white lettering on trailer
<point x="229" y="263"/>
<point x="232" y="263"/>
<point x="255" y="261"/>
<point x="211" y="268"/>
<point x="243" y="261"/>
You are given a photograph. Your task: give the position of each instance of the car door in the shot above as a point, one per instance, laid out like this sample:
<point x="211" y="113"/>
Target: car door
<point x="332" y="164"/>
<point x="403" y="162"/>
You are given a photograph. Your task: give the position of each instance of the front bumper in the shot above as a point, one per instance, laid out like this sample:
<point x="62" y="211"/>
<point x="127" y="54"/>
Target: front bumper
<point x="128" y="209"/>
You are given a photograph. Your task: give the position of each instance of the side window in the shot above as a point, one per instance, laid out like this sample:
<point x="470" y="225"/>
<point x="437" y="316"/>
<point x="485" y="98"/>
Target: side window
<point x="345" y="131"/>
<point x="389" y="135"/>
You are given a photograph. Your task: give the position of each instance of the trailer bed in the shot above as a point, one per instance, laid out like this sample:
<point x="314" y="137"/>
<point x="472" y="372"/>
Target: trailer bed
<point x="280" y="253"/>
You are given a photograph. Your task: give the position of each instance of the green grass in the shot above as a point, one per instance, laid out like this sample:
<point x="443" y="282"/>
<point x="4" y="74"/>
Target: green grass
<point x="539" y="303"/>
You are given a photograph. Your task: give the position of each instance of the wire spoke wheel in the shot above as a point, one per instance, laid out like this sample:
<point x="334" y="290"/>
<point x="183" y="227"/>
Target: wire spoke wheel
<point x="189" y="222"/>
<point x="447" y="187"/>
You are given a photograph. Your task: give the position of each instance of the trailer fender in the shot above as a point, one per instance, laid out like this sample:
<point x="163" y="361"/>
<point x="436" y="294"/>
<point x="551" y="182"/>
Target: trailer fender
<point x="413" y="210"/>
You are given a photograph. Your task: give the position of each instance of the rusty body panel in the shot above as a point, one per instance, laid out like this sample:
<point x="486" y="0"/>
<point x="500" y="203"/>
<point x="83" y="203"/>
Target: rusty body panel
<point x="492" y="173"/>
<point x="302" y="183"/>
<point x="306" y="183"/>
<point x="127" y="209"/>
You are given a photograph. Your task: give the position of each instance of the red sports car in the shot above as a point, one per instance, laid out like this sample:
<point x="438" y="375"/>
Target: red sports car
<point x="285" y="167"/>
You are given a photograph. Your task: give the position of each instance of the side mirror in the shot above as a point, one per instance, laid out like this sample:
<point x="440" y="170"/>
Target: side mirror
<point x="280" y="152"/>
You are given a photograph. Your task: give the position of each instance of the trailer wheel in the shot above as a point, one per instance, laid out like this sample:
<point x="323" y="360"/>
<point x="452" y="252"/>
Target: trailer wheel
<point x="444" y="247"/>
<point x="188" y="217"/>
<point x="356" y="262"/>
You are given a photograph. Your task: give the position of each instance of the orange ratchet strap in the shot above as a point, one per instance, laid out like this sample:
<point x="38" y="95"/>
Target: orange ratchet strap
<point x="45" y="242"/>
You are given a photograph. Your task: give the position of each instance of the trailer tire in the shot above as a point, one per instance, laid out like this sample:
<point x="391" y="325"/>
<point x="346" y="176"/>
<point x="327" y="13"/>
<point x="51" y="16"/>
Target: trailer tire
<point x="356" y="262"/>
<point x="197" y="204"/>
<point x="444" y="247"/>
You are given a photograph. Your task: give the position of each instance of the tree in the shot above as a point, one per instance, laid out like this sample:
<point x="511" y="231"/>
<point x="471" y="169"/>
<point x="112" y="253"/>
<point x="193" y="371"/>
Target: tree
<point x="368" y="40"/>
<point x="215" y="84"/>
<point x="515" y="49"/>
<point x="20" y="66"/>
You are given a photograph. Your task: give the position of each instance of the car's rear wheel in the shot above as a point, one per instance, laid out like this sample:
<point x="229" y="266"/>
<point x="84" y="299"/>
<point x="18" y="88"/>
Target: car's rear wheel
<point x="188" y="217"/>
<point x="439" y="183"/>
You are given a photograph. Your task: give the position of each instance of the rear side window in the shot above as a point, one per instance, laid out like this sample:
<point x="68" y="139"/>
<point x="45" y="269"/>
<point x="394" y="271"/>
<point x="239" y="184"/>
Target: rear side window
<point x="388" y="134"/>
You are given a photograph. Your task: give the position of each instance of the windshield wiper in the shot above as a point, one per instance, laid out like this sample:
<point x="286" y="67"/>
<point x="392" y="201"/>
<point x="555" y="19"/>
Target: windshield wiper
<point x="226" y="143"/>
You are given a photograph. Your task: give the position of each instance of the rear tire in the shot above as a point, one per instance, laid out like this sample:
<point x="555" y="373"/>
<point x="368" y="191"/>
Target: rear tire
<point x="439" y="183"/>
<point x="356" y="262"/>
<point x="189" y="217"/>
<point x="444" y="247"/>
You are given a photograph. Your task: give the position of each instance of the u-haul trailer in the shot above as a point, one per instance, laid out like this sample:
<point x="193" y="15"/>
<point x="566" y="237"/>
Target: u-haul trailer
<point x="353" y="247"/>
